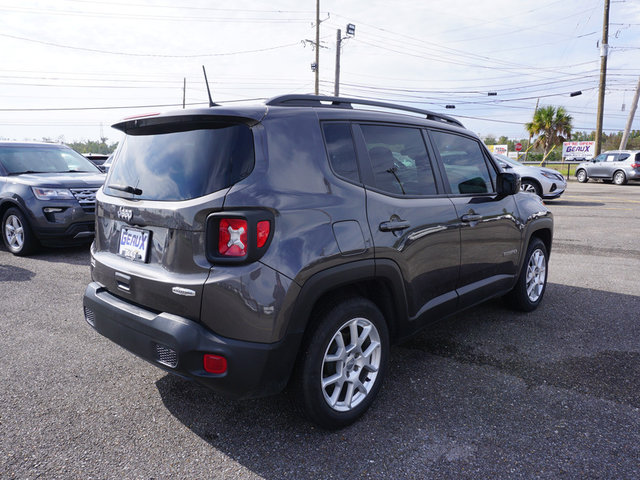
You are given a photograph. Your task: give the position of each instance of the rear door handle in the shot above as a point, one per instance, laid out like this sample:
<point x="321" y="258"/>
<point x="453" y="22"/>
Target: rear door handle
<point x="471" y="217"/>
<point x="394" y="225"/>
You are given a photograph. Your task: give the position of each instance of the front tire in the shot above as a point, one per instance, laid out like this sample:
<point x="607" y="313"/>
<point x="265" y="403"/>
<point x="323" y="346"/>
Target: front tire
<point x="532" y="282"/>
<point x="619" y="178"/>
<point x="17" y="234"/>
<point x="343" y="363"/>
<point x="581" y="176"/>
<point x="531" y="187"/>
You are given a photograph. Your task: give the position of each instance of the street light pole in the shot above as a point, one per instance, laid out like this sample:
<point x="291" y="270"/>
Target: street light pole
<point x="604" y="51"/>
<point x="336" y="89"/>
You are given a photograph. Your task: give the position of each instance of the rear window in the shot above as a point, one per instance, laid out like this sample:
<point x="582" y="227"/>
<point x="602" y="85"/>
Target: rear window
<point x="180" y="165"/>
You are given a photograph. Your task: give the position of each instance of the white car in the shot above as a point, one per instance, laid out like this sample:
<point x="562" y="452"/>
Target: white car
<point x="544" y="182"/>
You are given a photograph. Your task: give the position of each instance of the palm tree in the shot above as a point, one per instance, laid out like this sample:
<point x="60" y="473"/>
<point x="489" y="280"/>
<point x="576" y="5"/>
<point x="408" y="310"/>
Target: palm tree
<point x="552" y="125"/>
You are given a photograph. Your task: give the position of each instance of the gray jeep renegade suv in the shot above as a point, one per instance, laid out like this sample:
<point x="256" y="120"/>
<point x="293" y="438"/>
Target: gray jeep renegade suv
<point x="290" y="243"/>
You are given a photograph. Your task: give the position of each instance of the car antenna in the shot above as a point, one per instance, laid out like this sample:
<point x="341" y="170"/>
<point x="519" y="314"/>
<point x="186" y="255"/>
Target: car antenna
<point x="211" y="104"/>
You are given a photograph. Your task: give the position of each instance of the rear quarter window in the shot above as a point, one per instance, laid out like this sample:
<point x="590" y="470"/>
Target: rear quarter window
<point x="181" y="165"/>
<point x="342" y="153"/>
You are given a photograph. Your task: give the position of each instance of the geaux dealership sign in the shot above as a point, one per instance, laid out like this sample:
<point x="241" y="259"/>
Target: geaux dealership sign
<point x="578" y="149"/>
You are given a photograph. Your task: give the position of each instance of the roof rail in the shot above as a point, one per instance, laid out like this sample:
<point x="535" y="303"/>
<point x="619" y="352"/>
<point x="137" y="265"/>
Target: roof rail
<point x="343" y="102"/>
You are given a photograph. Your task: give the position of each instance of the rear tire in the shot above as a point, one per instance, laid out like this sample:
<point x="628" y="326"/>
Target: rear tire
<point x="581" y="176"/>
<point x="17" y="234"/>
<point x="619" y="178"/>
<point x="532" y="282"/>
<point x="342" y="363"/>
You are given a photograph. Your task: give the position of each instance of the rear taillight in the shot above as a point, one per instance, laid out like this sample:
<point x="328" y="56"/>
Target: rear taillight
<point x="234" y="237"/>
<point x="635" y="165"/>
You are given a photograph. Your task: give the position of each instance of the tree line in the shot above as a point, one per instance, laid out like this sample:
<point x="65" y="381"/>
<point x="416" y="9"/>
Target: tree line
<point x="551" y="126"/>
<point x="93" y="146"/>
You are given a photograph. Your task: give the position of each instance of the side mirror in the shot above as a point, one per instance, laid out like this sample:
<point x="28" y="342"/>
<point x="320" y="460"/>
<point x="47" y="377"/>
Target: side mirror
<point x="508" y="184"/>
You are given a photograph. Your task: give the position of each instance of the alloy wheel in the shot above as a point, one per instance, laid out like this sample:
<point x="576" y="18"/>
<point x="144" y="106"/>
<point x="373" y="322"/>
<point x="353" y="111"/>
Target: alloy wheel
<point x="619" y="178"/>
<point x="14" y="233"/>
<point x="582" y="176"/>
<point x="351" y="364"/>
<point x="536" y="275"/>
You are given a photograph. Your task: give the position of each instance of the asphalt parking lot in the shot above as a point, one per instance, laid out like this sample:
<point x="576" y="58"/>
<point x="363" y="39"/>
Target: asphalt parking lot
<point x="488" y="394"/>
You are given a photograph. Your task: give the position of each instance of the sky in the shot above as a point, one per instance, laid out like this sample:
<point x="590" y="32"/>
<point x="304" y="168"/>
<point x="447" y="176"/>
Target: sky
<point x="69" y="69"/>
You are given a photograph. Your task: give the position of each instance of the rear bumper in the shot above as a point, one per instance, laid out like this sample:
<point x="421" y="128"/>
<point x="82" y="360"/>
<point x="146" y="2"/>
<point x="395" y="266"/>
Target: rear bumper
<point x="178" y="345"/>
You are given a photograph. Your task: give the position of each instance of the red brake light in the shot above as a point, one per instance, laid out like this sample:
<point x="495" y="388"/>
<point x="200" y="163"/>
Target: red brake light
<point x="264" y="227"/>
<point x="214" y="363"/>
<point x="232" y="237"/>
<point x="635" y="165"/>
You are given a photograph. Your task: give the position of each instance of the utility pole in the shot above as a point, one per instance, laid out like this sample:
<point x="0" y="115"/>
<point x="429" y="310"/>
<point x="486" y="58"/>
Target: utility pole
<point x="336" y="89"/>
<point x="317" y="89"/>
<point x="604" y="51"/>
<point x="632" y="113"/>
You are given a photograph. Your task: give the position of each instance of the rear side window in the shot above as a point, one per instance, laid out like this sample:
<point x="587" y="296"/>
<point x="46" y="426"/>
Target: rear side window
<point x="342" y="154"/>
<point x="622" y="157"/>
<point x="180" y="165"/>
<point x="399" y="160"/>
<point x="464" y="163"/>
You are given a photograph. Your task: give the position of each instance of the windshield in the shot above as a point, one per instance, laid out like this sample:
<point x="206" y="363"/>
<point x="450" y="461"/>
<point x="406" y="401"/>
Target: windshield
<point x="180" y="165"/>
<point x="43" y="159"/>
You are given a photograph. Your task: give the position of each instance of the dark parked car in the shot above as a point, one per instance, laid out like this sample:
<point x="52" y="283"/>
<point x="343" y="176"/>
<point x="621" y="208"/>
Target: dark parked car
<point x="290" y="243"/>
<point x="98" y="159"/>
<point x="47" y="195"/>
<point x="107" y="163"/>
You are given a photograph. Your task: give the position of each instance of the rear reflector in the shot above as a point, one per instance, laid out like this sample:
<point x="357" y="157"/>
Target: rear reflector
<point x="264" y="227"/>
<point x="215" y="363"/>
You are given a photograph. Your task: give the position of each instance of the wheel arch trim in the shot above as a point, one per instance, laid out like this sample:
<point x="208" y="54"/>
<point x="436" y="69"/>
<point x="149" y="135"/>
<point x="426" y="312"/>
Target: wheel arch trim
<point x="345" y="276"/>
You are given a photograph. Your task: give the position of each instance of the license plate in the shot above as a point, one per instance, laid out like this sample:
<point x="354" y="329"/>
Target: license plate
<point x="134" y="244"/>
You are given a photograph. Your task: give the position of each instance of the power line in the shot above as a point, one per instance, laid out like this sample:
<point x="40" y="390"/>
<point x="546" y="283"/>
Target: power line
<point x="149" y="17"/>
<point x="94" y="50"/>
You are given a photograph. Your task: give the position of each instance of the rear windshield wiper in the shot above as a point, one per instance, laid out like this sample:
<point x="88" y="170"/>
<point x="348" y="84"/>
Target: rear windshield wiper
<point x="126" y="189"/>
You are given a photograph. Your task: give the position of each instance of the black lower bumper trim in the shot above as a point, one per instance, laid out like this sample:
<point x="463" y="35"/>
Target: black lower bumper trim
<point x="254" y="369"/>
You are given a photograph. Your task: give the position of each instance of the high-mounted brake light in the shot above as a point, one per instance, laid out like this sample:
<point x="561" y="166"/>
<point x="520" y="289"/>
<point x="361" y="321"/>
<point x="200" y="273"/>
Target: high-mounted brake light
<point x="143" y="115"/>
<point x="232" y="237"/>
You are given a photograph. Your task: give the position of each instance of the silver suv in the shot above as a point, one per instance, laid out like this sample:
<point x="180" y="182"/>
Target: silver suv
<point x="617" y="166"/>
